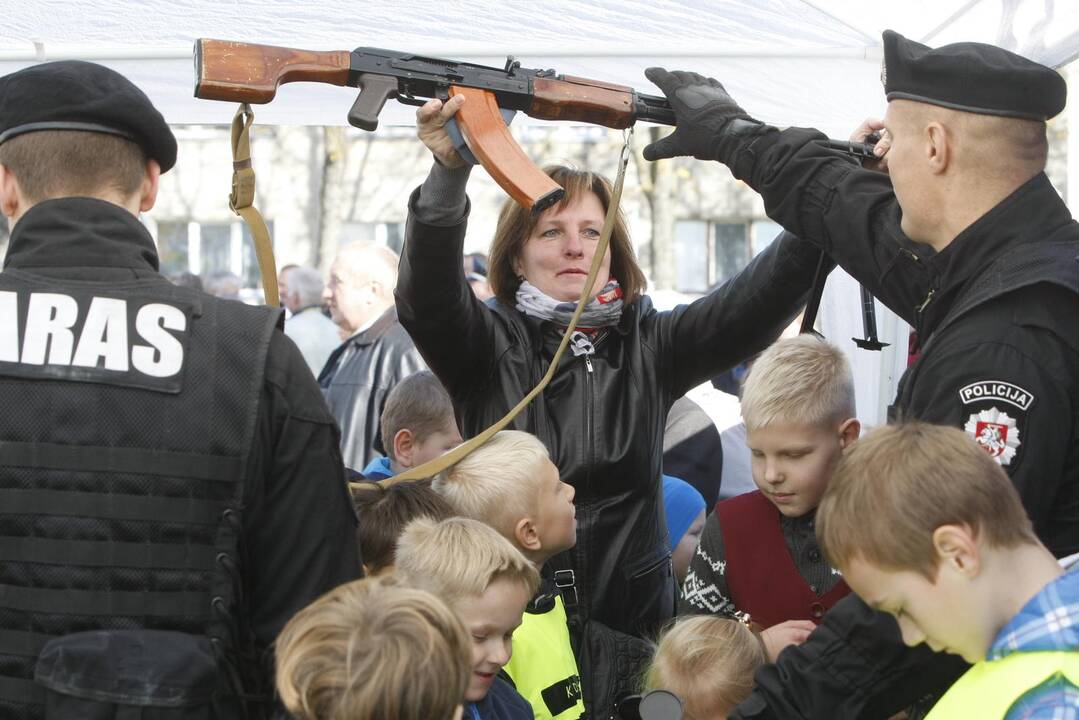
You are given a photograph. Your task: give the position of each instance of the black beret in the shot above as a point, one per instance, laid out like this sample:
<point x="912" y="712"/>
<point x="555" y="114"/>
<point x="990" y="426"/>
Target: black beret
<point x="76" y="95"/>
<point x="973" y="77"/>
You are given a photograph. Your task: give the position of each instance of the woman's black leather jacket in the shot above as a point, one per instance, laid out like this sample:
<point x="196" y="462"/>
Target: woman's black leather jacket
<point x="602" y="417"/>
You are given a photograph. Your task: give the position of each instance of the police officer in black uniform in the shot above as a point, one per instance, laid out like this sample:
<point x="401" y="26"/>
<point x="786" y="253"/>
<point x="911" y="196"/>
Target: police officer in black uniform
<point x="990" y="282"/>
<point x="171" y="489"/>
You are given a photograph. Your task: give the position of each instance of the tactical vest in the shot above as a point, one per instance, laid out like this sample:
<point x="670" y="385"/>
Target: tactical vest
<point x="543" y="668"/>
<point x="128" y="416"/>
<point x="989" y="689"/>
<point x="761" y="575"/>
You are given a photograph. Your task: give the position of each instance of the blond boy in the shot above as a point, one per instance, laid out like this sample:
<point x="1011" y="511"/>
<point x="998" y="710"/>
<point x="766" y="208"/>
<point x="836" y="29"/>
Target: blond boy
<point x="373" y="649"/>
<point x="708" y="662"/>
<point x="758" y="555"/>
<point x="511" y="484"/>
<point x="927" y="527"/>
<point x="487" y="582"/>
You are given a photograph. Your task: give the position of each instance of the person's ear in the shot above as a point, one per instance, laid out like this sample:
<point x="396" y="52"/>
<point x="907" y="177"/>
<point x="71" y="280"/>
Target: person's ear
<point x="849" y="432"/>
<point x="957" y="549"/>
<point x="149" y="186"/>
<point x="526" y="535"/>
<point x="11" y="200"/>
<point x="938" y="147"/>
<point x="379" y="291"/>
<point x="404" y="444"/>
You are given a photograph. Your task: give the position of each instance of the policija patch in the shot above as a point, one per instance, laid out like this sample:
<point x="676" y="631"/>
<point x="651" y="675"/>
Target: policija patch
<point x="993" y="429"/>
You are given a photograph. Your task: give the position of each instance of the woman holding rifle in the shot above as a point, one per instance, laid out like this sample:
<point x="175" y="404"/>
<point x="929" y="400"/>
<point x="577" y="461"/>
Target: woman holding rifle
<point x="602" y="416"/>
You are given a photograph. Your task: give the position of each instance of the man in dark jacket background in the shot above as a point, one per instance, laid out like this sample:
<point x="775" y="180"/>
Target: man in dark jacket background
<point x="171" y="489"/>
<point x="377" y="353"/>
<point x="992" y="289"/>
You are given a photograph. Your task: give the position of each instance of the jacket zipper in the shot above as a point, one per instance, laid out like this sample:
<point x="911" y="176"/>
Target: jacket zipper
<point x="927" y="300"/>
<point x="589" y="431"/>
<point x="589" y="422"/>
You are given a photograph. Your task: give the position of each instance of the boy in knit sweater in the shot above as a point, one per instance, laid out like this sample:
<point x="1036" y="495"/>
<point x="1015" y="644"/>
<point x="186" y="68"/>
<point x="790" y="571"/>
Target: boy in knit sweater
<point x="758" y="555"/>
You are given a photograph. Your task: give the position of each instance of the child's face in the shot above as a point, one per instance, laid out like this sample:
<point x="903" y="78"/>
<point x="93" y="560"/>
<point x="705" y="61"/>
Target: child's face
<point x="793" y="462"/>
<point x="938" y="613"/>
<point x="556" y="516"/>
<point x="491" y="619"/>
<point x="435" y="444"/>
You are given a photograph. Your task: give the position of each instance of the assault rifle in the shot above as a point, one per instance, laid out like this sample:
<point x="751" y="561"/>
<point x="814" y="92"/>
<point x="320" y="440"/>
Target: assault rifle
<point x="250" y="73"/>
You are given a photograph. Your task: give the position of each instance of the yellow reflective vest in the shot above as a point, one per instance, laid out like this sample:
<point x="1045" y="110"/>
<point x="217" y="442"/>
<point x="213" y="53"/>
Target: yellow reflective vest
<point x="543" y="667"/>
<point x="989" y="689"/>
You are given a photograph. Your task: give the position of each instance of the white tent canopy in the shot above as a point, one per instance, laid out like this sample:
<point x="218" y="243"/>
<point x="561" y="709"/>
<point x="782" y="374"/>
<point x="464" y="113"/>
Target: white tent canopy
<point x="790" y="62"/>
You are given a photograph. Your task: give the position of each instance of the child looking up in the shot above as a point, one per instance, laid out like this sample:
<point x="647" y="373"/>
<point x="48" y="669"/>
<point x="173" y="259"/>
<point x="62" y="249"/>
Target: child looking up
<point x="511" y="484"/>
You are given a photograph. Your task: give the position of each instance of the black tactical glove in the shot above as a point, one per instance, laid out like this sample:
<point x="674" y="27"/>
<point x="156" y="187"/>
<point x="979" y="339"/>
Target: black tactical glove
<point x="704" y="112"/>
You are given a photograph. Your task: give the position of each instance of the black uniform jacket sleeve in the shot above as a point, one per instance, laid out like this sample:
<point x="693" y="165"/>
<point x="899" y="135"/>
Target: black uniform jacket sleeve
<point x="299" y="538"/>
<point x="854" y="666"/>
<point x="738" y="319"/>
<point x="1005" y="376"/>
<point x="826" y="198"/>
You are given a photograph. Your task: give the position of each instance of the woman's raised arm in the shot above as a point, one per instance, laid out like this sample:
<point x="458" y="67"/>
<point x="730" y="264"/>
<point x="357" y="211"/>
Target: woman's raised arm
<point x="451" y="328"/>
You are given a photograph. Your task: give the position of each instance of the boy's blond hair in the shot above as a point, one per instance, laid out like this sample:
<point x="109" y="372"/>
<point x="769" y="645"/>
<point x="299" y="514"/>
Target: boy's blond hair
<point x="499" y="483"/>
<point x="708" y="662"/>
<point x="373" y="649"/>
<point x="802" y="380"/>
<point x="899" y="483"/>
<point x="458" y="559"/>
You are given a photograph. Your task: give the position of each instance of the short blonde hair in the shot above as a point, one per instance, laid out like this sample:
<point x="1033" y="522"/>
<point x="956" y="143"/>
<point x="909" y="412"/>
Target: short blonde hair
<point x="499" y="482"/>
<point x="373" y="649"/>
<point x="708" y="662"/>
<point x="802" y="380"/>
<point x="911" y="479"/>
<point x="459" y="558"/>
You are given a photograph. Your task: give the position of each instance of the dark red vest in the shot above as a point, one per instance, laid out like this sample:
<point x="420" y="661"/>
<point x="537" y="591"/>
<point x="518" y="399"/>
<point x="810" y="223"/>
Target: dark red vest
<point x="761" y="575"/>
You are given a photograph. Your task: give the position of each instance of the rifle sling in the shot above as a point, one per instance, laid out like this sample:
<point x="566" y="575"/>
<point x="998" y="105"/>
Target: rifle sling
<point x="242" y="199"/>
<point x="433" y="467"/>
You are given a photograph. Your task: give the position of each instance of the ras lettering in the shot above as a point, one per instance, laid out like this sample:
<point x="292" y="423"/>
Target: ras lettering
<point x="85" y="337"/>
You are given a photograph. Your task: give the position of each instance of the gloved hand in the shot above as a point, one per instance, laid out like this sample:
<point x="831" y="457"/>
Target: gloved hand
<point x="703" y="109"/>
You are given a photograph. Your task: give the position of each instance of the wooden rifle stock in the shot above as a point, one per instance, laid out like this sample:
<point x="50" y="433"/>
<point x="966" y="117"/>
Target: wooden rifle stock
<point x="250" y="73"/>
<point x="582" y="100"/>
<point x="246" y="72"/>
